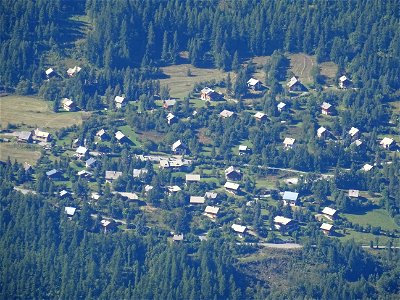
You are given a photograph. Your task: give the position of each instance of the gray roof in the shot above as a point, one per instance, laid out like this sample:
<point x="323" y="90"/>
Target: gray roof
<point x="291" y="196"/>
<point x="90" y="161"/>
<point x="51" y="172"/>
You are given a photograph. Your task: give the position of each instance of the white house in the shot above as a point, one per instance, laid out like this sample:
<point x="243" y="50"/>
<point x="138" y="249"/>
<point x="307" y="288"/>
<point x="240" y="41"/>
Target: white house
<point x="354" y="133"/>
<point x="70" y="211"/>
<point x="282" y="222"/>
<point x="211" y="211"/>
<point x="326" y="108"/>
<point x="73" y="71"/>
<point x="119" y="101"/>
<point x="329" y="212"/>
<point x="387" y="143"/>
<point x="254" y="84"/>
<point x="288" y="143"/>
<point x="281" y="106"/>
<point x="260" y="116"/>
<point x="232" y="187"/>
<point x="178" y="147"/>
<point x="344" y="82"/>
<point x="239" y="229"/>
<point x="171" y="119"/>
<point x="197" y="200"/>
<point x="294" y="84"/>
<point x="81" y="152"/>
<point x="226" y="113"/>
<point x="326" y="228"/>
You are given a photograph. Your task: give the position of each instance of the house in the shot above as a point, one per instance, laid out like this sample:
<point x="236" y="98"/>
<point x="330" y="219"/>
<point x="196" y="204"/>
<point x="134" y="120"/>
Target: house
<point x="211" y="195"/>
<point x="112" y="175"/>
<point x="226" y="113"/>
<point x="254" y="84"/>
<point x="330" y="213"/>
<point x="322" y="132"/>
<point x="27" y="167"/>
<point x="41" y="136"/>
<point x="197" y="200"/>
<point x="107" y="225"/>
<point x="211" y="211"/>
<point x="281" y="106"/>
<point x="90" y="163"/>
<point x="367" y="167"/>
<point x="326" y="109"/>
<point x="354" y="193"/>
<point x="288" y="143"/>
<point x="260" y="116"/>
<point x="25" y="136"/>
<point x="173" y="189"/>
<point x="120" y="137"/>
<point x="388" y="143"/>
<point x="354" y="133"/>
<point x="232" y="173"/>
<point x="171" y="119"/>
<point x="95" y="196"/>
<point x="148" y="188"/>
<point x="192" y="178"/>
<point x="129" y="196"/>
<point x="73" y="71"/>
<point x="243" y="149"/>
<point x="290" y="198"/>
<point x="284" y="223"/>
<point x="81" y="152"/>
<point x="63" y="194"/>
<point x="239" y="229"/>
<point x="70" y="211"/>
<point x="50" y="73"/>
<point x="294" y="84"/>
<point x="101" y="134"/>
<point x="208" y="94"/>
<point x="84" y="174"/>
<point x="178" y="147"/>
<point x="344" y="82"/>
<point x="137" y="173"/>
<point x="232" y="187"/>
<point x="177" y="237"/>
<point x="52" y="174"/>
<point x="119" y="101"/>
<point x="68" y="104"/>
<point x="357" y="142"/>
<point x="326" y="228"/>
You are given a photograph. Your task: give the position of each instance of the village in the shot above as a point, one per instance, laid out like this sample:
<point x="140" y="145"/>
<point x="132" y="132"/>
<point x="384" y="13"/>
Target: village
<point x="216" y="192"/>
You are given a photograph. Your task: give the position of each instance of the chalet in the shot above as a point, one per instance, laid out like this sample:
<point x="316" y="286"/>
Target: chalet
<point x="63" y="194"/>
<point x="284" y="223"/>
<point x="112" y="175"/>
<point x="148" y="188"/>
<point x="129" y="196"/>
<point x="330" y="213"/>
<point x="168" y="103"/>
<point x="81" y="152"/>
<point x="41" y="136"/>
<point x="388" y="143"/>
<point x="53" y="174"/>
<point x="326" y="109"/>
<point x="192" y="178"/>
<point x="232" y="173"/>
<point x="173" y="189"/>
<point x="178" y="147"/>
<point x="281" y="106"/>
<point x="90" y="163"/>
<point x="354" y="133"/>
<point x="101" y="134"/>
<point x="95" y="196"/>
<point x="290" y="198"/>
<point x="73" y="71"/>
<point x="68" y="104"/>
<point x="357" y="143"/>
<point x="239" y="229"/>
<point x="27" y="167"/>
<point x="177" y="237"/>
<point x="171" y="119"/>
<point x="260" y="116"/>
<point x="294" y="85"/>
<point x="226" y="113"/>
<point x="25" y="136"/>
<point x="367" y="167"/>
<point x="84" y="174"/>
<point x="120" y="101"/>
<point x="107" y="224"/>
<point x="197" y="200"/>
<point x="322" y="132"/>
<point x="288" y="143"/>
<point x="70" y="211"/>
<point x="211" y="211"/>
<point x="326" y="228"/>
<point x="232" y="187"/>
<point x="243" y="149"/>
<point x="254" y="84"/>
<point x="344" y="82"/>
<point x="208" y="94"/>
<point x="50" y="73"/>
<point x="137" y="173"/>
<point x="354" y="193"/>
<point x="121" y="138"/>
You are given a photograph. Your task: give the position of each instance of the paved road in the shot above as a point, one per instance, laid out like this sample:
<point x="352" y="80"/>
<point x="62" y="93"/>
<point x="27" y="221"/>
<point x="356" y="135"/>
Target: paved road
<point x="287" y="246"/>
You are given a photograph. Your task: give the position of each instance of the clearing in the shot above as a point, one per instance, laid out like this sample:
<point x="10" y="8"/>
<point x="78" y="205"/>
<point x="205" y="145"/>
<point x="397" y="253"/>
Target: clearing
<point x="32" y="112"/>
<point x="20" y="152"/>
<point x="375" y="218"/>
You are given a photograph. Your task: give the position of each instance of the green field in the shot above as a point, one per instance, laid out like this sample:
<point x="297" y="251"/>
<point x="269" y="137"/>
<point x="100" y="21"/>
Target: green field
<point x="32" y="112"/>
<point x="365" y="238"/>
<point x="20" y="152"/>
<point x="375" y="218"/>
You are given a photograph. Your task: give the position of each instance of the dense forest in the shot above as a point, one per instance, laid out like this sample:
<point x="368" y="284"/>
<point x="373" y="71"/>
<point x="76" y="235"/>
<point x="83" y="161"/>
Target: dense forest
<point x="122" y="47"/>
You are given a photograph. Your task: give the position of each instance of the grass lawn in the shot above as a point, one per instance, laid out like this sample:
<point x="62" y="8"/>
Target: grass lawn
<point x="20" y="152"/>
<point x="32" y="112"/>
<point x="130" y="133"/>
<point x="180" y="84"/>
<point x="375" y="218"/>
<point x="365" y="238"/>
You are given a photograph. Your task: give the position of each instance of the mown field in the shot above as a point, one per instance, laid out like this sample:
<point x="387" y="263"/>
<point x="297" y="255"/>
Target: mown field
<point x="375" y="218"/>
